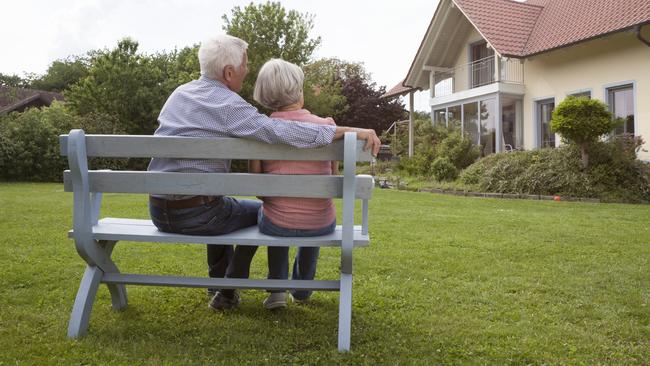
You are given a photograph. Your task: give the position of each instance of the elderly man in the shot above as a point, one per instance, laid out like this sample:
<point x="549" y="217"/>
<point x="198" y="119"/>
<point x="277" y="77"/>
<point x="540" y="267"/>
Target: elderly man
<point x="211" y="107"/>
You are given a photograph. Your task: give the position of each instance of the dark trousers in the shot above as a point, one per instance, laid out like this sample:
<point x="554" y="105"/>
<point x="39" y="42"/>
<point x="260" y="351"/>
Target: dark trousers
<point x="221" y="216"/>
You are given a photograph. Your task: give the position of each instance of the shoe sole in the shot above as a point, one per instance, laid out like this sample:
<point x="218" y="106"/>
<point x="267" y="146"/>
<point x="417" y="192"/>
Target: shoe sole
<point x="275" y="305"/>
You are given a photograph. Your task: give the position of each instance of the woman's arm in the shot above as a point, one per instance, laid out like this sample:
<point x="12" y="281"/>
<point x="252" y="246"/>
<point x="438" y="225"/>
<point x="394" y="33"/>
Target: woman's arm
<point x="335" y="167"/>
<point x="254" y="166"/>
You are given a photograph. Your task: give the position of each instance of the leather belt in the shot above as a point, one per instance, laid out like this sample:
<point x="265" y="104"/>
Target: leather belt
<point x="184" y="203"/>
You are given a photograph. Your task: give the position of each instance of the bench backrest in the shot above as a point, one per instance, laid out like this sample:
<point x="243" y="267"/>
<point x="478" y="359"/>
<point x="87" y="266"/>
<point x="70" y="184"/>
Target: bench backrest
<point x="88" y="185"/>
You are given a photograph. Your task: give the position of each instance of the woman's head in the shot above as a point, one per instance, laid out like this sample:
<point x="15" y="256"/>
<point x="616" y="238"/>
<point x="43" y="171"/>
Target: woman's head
<point x="279" y="84"/>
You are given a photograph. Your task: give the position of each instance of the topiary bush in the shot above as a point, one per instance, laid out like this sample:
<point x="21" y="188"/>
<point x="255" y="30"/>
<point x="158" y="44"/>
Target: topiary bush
<point x="442" y="169"/>
<point x="582" y="121"/>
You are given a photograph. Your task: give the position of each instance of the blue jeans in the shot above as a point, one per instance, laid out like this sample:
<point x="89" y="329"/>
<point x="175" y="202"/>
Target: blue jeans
<point x="221" y="216"/>
<point x="304" y="265"/>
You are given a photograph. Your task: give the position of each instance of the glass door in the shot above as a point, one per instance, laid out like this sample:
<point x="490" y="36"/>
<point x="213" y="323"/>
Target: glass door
<point x="544" y="114"/>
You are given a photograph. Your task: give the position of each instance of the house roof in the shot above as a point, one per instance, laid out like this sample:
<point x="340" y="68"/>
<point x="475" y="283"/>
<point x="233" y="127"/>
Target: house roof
<point x="12" y="99"/>
<point x="398" y="90"/>
<point x="520" y="29"/>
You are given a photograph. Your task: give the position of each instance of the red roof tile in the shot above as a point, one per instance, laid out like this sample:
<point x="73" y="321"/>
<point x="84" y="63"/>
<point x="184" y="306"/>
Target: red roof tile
<point x="506" y="24"/>
<point x="397" y="90"/>
<point x="526" y="28"/>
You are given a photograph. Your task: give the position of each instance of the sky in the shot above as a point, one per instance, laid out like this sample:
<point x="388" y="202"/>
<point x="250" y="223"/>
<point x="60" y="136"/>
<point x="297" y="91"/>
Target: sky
<point x="383" y="34"/>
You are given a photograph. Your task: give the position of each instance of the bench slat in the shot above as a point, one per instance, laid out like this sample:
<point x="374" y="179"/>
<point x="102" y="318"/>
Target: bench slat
<point x="211" y="184"/>
<point x="123" y="146"/>
<point x="145" y="231"/>
<point x="223" y="283"/>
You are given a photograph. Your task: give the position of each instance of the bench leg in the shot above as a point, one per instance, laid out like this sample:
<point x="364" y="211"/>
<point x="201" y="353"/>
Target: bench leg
<point x="83" y="303"/>
<point x="119" y="299"/>
<point x="345" y="312"/>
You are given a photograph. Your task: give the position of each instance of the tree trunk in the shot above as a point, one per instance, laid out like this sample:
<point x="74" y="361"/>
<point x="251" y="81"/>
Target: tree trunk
<point x="585" y="156"/>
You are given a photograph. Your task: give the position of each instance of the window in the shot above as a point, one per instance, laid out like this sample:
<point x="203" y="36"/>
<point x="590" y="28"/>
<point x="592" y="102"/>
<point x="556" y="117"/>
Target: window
<point x="481" y="64"/>
<point x="544" y="113"/>
<point x="439" y="117"/>
<point x="621" y="104"/>
<point x="470" y="122"/>
<point x="488" y="126"/>
<point x="454" y="117"/>
<point x="585" y="94"/>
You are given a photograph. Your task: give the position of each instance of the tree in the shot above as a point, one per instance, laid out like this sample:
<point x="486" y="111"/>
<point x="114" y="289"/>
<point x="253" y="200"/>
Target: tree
<point x="271" y="32"/>
<point x="62" y="74"/>
<point x="124" y="84"/>
<point x="582" y="121"/>
<point x="363" y="106"/>
<point x="14" y="81"/>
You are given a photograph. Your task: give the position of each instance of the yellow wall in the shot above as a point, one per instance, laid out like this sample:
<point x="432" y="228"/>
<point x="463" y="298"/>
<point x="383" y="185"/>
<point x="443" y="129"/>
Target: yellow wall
<point x="591" y="65"/>
<point x="462" y="76"/>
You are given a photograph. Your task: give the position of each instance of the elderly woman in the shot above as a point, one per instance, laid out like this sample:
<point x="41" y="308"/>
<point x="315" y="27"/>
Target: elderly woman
<point x="279" y="87"/>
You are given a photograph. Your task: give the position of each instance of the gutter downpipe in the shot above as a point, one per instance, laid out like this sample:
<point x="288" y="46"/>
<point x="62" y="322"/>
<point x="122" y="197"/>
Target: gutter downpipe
<point x="637" y="31"/>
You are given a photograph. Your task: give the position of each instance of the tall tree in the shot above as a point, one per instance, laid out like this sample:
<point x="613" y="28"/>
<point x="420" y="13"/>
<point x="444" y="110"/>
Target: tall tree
<point x="122" y="83"/>
<point x="14" y="81"/>
<point x="62" y="74"/>
<point x="364" y="108"/>
<point x="271" y="32"/>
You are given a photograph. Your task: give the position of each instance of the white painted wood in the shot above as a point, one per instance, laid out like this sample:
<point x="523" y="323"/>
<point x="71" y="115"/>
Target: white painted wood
<point x="119" y="299"/>
<point x="224" y="283"/>
<point x="123" y="146"/>
<point x="345" y="312"/>
<point x="115" y="229"/>
<point x="83" y="303"/>
<point x="349" y="181"/>
<point x="364" y="217"/>
<point x="214" y="184"/>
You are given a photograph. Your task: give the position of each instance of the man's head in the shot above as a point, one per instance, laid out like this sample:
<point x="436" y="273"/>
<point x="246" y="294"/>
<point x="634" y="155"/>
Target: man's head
<point x="224" y="58"/>
<point x="279" y="84"/>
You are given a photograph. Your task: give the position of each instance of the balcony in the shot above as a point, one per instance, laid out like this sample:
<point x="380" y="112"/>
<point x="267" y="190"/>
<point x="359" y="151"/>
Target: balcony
<point x="475" y="75"/>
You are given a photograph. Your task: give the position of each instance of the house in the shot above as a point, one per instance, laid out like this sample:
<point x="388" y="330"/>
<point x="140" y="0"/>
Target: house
<point x="18" y="99"/>
<point x="497" y="68"/>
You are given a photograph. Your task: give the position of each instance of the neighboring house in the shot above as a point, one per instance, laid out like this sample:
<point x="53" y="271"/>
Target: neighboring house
<point x="497" y="68"/>
<point x="18" y="99"/>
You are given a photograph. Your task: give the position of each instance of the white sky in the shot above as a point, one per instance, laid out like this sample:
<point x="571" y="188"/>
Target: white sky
<point x="383" y="34"/>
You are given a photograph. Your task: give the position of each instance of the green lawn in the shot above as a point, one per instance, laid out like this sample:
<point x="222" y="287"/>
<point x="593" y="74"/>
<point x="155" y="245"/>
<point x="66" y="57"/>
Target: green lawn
<point x="446" y="280"/>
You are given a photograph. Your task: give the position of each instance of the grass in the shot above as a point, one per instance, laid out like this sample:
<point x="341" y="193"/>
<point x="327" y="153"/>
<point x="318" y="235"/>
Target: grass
<point x="446" y="280"/>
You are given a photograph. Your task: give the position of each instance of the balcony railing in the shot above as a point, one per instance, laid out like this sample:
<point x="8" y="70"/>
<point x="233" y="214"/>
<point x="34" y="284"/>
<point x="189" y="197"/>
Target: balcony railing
<point x="478" y="73"/>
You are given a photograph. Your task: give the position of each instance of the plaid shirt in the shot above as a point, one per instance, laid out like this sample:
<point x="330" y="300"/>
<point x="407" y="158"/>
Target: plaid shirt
<point x="207" y="108"/>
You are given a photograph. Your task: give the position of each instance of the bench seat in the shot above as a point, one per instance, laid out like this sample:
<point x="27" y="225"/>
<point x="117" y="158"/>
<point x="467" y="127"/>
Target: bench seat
<point x="116" y="229"/>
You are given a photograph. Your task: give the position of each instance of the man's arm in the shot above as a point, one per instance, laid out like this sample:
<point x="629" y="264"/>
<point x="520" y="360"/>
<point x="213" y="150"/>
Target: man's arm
<point x="372" y="141"/>
<point x="245" y="121"/>
<point x="255" y="166"/>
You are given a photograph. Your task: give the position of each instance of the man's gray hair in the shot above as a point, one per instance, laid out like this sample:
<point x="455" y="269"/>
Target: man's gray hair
<point x="218" y="52"/>
<point x="278" y="84"/>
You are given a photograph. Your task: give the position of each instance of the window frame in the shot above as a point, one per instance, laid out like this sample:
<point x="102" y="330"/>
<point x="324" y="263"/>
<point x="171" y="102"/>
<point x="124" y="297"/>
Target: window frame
<point x="618" y="85"/>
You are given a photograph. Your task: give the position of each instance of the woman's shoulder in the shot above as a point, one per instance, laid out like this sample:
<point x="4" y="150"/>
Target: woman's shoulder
<point x="317" y="119"/>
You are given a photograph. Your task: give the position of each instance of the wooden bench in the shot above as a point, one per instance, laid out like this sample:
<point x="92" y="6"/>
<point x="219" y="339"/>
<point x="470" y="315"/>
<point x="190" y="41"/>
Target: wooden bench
<point x="96" y="238"/>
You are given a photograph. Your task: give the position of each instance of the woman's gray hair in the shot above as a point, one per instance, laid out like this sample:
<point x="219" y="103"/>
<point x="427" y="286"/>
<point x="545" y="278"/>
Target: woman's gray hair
<point x="218" y="52"/>
<point x="279" y="84"/>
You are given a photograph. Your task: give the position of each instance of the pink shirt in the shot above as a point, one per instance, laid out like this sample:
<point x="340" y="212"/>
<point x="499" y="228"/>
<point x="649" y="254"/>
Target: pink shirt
<point x="299" y="213"/>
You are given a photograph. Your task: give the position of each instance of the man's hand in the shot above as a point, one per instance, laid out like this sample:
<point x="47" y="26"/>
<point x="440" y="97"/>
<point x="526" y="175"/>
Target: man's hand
<point x="372" y="141"/>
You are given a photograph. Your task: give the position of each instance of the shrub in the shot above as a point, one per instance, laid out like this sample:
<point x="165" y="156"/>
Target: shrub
<point x="29" y="148"/>
<point x="458" y="149"/>
<point x="582" y="121"/>
<point x="614" y="173"/>
<point x="442" y="169"/>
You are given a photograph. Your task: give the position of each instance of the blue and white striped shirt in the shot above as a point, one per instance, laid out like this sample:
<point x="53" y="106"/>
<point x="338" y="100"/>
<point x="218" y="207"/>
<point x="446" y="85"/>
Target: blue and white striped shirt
<point x="207" y="108"/>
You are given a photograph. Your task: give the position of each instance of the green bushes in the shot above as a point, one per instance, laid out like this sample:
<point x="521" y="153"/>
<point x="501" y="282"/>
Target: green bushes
<point x="613" y="173"/>
<point x="442" y="169"/>
<point x="441" y="154"/>
<point x="29" y="142"/>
